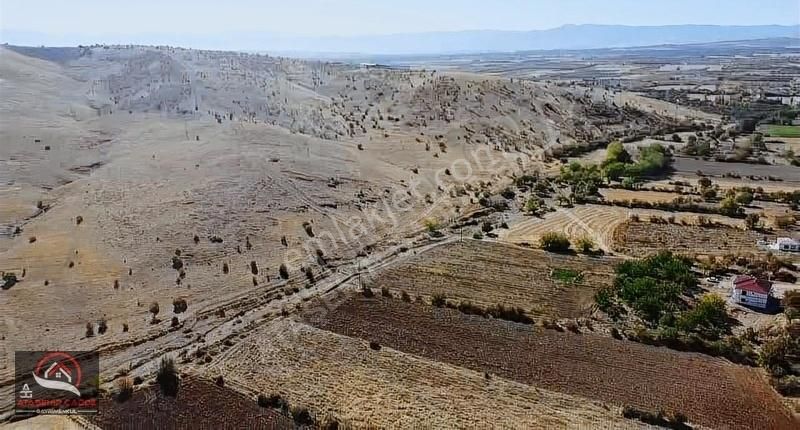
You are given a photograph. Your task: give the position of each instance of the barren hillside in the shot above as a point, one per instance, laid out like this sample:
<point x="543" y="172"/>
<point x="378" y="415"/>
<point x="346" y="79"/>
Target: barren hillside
<point x="132" y="175"/>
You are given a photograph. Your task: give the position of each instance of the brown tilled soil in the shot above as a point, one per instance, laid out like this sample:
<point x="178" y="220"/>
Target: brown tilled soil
<point x="641" y="238"/>
<point x="363" y="388"/>
<point x="198" y="405"/>
<point x="709" y="391"/>
<point x="488" y="274"/>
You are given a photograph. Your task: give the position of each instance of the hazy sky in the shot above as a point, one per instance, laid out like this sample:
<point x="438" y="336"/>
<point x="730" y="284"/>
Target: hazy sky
<point x="357" y="17"/>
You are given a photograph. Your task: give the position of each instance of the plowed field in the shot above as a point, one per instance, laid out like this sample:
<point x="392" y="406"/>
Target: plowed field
<point x="709" y="391"/>
<point x="198" y="405"/>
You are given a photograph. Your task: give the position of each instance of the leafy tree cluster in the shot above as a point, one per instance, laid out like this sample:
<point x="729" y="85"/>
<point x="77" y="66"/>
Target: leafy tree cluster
<point x="653" y="160"/>
<point x="701" y="148"/>
<point x="535" y="206"/>
<point x="583" y="180"/>
<point x="653" y="288"/>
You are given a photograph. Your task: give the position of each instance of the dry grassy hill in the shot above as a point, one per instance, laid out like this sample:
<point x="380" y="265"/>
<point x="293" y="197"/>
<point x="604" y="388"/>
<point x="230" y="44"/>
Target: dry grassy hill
<point x="118" y="161"/>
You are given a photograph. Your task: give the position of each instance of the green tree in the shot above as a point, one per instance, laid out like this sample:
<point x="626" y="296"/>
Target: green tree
<point x="613" y="171"/>
<point x="729" y="207"/>
<point x="554" y="242"/>
<point x="534" y="205"/>
<point x="709" y="316"/>
<point x="744" y="198"/>
<point x="752" y="221"/>
<point x="585" y="244"/>
<point x="653" y="286"/>
<point x="709" y="193"/>
<point x="616" y="153"/>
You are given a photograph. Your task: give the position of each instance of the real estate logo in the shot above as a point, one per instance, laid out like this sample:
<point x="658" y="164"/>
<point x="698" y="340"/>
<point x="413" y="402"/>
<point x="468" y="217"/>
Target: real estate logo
<point x="56" y="382"/>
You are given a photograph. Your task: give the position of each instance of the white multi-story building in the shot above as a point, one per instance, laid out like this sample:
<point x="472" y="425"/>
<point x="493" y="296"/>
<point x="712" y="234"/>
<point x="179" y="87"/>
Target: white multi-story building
<point x="786" y="244"/>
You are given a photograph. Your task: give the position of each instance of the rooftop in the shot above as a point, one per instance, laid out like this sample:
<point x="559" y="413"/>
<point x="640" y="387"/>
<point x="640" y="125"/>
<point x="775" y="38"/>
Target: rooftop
<point x="749" y="283"/>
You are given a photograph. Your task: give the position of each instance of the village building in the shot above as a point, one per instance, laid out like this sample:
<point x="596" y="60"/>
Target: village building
<point x="750" y="291"/>
<point x="786" y="244"/>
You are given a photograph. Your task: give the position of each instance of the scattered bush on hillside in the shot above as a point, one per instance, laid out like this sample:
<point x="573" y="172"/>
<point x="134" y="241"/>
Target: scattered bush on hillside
<point x="167" y="377"/>
<point x="179" y="305"/>
<point x="9" y="280"/>
<point x="302" y="416"/>
<point x="124" y="388"/>
<point x="154" y="310"/>
<point x="308" y="228"/>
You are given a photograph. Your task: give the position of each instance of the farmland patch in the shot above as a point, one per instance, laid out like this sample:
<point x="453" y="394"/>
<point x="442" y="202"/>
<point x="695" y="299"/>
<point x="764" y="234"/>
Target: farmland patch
<point x="708" y="391"/>
<point x="489" y="273"/>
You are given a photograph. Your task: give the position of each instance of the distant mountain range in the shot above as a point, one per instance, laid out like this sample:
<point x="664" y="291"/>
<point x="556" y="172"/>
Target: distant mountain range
<point x="564" y="37"/>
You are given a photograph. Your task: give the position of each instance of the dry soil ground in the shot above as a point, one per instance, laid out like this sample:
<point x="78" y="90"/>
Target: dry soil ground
<point x="220" y="156"/>
<point x="710" y="391"/>
<point x="390" y="389"/>
<point x="640" y="238"/>
<point x="490" y="273"/>
<point x="199" y="404"/>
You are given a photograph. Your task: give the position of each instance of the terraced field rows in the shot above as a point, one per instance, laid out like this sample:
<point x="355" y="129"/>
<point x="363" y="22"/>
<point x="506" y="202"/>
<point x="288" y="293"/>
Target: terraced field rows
<point x="489" y="273"/>
<point x="708" y="391"/>
<point x="595" y="221"/>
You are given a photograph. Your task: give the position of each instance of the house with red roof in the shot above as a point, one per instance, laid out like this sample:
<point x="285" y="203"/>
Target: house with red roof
<point x="751" y="291"/>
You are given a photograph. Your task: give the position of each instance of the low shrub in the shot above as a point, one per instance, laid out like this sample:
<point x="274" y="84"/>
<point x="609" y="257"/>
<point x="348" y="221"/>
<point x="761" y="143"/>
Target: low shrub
<point x="167" y="377"/>
<point x="554" y="242"/>
<point x="124" y="388"/>
<point x="302" y="416"/>
<point x="179" y="305"/>
<point x="511" y="314"/>
<point x="678" y="421"/>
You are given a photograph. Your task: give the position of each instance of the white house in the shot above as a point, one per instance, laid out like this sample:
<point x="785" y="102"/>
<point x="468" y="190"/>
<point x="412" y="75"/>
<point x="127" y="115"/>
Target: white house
<point x="786" y="244"/>
<point x="750" y="291"/>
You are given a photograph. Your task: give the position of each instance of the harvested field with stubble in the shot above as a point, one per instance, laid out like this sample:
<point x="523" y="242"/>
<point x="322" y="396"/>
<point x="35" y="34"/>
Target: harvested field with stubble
<point x="490" y="273"/>
<point x="342" y="376"/>
<point x="598" y="222"/>
<point x="199" y="405"/>
<point x="709" y="391"/>
<point x="641" y="238"/>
